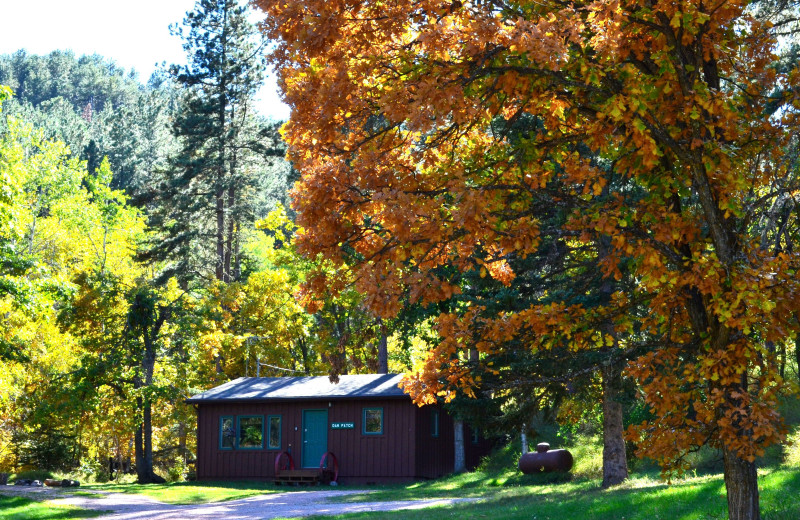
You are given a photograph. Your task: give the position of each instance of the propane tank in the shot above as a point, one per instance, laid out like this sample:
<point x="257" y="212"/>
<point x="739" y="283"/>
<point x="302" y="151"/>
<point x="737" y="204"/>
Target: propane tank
<point x="545" y="460"/>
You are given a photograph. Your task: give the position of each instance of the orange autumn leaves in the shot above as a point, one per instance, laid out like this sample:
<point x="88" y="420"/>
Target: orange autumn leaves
<point x="402" y="119"/>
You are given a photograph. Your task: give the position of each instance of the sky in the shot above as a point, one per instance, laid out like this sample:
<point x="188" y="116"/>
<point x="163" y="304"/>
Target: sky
<point x="133" y="34"/>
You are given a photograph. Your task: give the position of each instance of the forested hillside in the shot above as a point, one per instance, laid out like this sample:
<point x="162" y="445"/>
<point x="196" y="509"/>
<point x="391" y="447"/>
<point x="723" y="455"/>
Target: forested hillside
<point x="97" y="110"/>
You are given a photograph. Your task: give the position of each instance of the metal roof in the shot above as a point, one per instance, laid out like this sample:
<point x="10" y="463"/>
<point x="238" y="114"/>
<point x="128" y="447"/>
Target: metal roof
<point x="291" y="388"/>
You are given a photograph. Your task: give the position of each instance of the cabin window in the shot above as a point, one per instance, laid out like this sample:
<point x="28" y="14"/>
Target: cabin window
<point x="475" y="436"/>
<point x="434" y="423"/>
<point x="274" y="432"/>
<point x="373" y="421"/>
<point x="251" y="432"/>
<point x="227" y="433"/>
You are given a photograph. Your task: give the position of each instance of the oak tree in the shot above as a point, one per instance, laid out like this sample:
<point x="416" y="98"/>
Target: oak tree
<point x="393" y="107"/>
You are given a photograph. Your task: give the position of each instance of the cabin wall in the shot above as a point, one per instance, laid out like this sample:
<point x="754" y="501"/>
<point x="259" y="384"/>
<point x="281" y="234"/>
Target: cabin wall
<point x="435" y="454"/>
<point x="362" y="458"/>
<point x="476" y="448"/>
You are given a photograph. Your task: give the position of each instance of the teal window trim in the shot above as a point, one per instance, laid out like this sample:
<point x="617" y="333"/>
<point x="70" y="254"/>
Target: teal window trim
<point x="364" y="421"/>
<point x="270" y="446"/>
<point x="222" y="431"/>
<point x="239" y="432"/>
<point x="434" y="423"/>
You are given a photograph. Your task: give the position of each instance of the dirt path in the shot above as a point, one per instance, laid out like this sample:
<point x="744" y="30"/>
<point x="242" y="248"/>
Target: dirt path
<point x="273" y="505"/>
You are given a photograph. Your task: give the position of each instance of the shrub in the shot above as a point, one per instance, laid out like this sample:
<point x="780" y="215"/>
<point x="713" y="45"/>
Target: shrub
<point x="94" y="470"/>
<point x="177" y="472"/>
<point x="791" y="450"/>
<point x="587" y="453"/>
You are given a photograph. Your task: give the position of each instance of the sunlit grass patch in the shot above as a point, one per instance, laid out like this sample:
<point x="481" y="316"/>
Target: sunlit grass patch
<point x="189" y="493"/>
<point x="21" y="508"/>
<point x="641" y="498"/>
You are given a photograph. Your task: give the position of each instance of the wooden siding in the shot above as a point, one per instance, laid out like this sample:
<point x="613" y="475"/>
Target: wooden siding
<point x="435" y="455"/>
<point x="475" y="452"/>
<point x="366" y="458"/>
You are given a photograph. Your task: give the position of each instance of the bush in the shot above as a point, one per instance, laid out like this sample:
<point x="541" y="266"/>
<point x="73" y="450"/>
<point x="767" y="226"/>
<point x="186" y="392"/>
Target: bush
<point x="587" y="454"/>
<point x="791" y="450"/>
<point x="94" y="470"/>
<point x="191" y="472"/>
<point x="177" y="472"/>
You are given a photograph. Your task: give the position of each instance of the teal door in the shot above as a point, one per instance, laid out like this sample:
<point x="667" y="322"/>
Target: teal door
<point x="315" y="437"/>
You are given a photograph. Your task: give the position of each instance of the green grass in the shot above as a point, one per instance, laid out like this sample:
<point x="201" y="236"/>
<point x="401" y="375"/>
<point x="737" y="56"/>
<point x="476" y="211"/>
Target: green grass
<point x="505" y="493"/>
<point x="190" y="493"/>
<point x="20" y="508"/>
<point x="641" y="498"/>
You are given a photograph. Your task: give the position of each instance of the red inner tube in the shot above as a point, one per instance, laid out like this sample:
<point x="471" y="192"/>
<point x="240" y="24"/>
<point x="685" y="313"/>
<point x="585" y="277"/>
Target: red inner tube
<point x="278" y="461"/>
<point x="335" y="464"/>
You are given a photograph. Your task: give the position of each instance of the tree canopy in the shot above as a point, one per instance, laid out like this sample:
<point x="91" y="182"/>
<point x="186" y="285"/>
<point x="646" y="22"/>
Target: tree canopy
<point x="398" y="122"/>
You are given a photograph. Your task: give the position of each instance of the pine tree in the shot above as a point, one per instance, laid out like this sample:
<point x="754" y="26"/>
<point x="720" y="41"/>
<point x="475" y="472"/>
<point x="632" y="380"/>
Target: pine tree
<point x="202" y="200"/>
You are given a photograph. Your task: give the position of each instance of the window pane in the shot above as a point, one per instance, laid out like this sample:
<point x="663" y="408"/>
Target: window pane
<point x="434" y="423"/>
<point x="274" y="442"/>
<point x="226" y="433"/>
<point x="373" y="420"/>
<point x="251" y="432"/>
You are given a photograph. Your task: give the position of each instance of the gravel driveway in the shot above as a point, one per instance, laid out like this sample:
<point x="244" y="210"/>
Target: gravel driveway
<point x="273" y="505"/>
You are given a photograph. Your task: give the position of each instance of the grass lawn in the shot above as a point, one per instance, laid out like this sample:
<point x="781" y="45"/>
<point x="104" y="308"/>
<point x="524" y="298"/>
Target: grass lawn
<point x="21" y="508"/>
<point x="642" y="498"/>
<point x="188" y="493"/>
<point x="505" y="495"/>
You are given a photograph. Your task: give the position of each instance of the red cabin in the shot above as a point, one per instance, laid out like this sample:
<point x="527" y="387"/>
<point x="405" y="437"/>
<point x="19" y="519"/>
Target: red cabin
<point x="364" y="425"/>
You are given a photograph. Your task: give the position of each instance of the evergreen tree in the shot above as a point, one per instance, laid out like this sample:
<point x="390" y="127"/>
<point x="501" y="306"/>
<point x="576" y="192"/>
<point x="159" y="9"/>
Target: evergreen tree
<point x="203" y="200"/>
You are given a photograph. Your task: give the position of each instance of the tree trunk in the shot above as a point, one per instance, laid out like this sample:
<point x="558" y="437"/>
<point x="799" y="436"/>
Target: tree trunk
<point x="237" y="257"/>
<point x="383" y="350"/>
<point x="144" y="441"/>
<point x="304" y="352"/>
<point x="219" y="270"/>
<point x="138" y="447"/>
<point x="147" y="427"/>
<point x="460" y="460"/>
<point x="222" y="175"/>
<point x="741" y="484"/>
<point x="615" y="465"/>
<point x="230" y="234"/>
<point x="524" y="439"/>
<point x="182" y="440"/>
